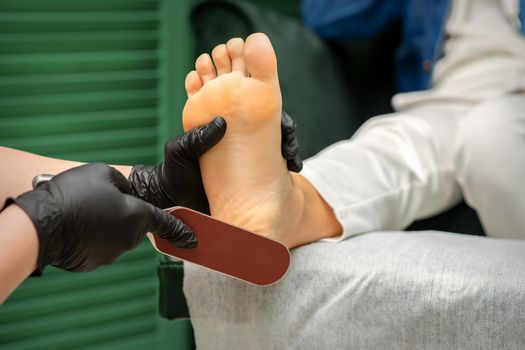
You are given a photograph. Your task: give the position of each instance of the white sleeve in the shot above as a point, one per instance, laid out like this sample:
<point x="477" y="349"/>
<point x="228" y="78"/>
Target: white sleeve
<point x="390" y="173"/>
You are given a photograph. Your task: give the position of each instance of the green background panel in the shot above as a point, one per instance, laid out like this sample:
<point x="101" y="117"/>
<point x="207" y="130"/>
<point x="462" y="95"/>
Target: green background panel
<point x="92" y="80"/>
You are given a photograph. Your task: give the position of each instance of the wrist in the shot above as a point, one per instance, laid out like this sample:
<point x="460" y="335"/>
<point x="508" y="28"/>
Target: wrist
<point x="125" y="170"/>
<point x="139" y="180"/>
<point x="19" y="248"/>
<point x="41" y="208"/>
<point x="146" y="184"/>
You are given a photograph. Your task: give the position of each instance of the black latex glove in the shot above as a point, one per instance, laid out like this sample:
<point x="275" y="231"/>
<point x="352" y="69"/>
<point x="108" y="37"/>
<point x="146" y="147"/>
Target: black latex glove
<point x="177" y="181"/>
<point x="85" y="218"/>
<point x="289" y="143"/>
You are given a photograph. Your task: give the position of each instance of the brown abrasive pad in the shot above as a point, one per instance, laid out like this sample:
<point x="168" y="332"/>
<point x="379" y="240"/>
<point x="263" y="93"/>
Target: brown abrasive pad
<point x="228" y="249"/>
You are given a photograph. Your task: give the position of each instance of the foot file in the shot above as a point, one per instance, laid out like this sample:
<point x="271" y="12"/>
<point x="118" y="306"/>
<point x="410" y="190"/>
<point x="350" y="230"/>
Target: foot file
<point x="228" y="249"/>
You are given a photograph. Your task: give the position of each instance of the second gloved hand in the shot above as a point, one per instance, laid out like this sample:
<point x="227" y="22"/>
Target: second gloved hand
<point x="86" y="218"/>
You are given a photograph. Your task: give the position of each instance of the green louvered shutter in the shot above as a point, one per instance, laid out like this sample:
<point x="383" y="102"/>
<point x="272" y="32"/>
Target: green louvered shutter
<point x="89" y="80"/>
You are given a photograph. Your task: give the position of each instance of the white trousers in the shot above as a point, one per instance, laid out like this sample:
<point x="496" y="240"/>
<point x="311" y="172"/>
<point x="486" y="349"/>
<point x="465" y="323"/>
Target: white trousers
<point x="413" y="164"/>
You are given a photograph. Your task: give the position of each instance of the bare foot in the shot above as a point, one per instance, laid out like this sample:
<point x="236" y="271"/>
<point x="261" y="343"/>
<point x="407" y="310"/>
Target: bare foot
<point x="245" y="176"/>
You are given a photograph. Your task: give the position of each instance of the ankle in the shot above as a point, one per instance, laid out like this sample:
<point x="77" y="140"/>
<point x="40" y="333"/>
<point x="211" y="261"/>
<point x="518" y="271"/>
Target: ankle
<point x="293" y="212"/>
<point x="308" y="217"/>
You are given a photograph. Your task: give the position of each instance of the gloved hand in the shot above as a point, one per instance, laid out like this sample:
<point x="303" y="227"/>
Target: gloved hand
<point x="289" y="143"/>
<point x="85" y="218"/>
<point x="177" y="181"/>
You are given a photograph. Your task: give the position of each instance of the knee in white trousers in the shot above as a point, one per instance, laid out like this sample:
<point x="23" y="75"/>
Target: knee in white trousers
<point x="490" y="164"/>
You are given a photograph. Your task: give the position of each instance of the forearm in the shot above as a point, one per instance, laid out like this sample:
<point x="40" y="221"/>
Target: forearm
<point x="18" y="251"/>
<point x="19" y="168"/>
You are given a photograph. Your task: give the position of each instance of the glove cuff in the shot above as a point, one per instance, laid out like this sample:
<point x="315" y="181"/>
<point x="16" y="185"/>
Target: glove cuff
<point x="145" y="182"/>
<point x="139" y="179"/>
<point x="41" y="208"/>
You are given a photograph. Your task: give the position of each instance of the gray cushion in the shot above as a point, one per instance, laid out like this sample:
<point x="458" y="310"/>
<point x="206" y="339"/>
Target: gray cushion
<point x="386" y="290"/>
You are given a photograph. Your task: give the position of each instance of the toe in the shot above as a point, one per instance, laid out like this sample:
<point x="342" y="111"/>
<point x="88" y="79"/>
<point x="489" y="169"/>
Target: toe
<point x="259" y="58"/>
<point x="193" y="83"/>
<point x="221" y="59"/>
<point x="205" y="68"/>
<point x="235" y="48"/>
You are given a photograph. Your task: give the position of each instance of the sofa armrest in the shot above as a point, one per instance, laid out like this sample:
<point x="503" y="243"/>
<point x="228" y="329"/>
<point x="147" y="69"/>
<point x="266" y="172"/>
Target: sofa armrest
<point x="385" y="290"/>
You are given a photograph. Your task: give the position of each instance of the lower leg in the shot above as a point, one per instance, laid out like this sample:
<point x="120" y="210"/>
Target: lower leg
<point x="395" y="169"/>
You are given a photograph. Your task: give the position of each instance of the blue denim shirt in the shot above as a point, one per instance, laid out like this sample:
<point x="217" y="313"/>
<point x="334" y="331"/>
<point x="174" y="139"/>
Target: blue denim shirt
<point x="423" y="25"/>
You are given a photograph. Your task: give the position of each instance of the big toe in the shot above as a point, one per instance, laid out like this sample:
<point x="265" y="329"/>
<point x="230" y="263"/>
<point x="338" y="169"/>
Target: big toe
<point x="259" y="58"/>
